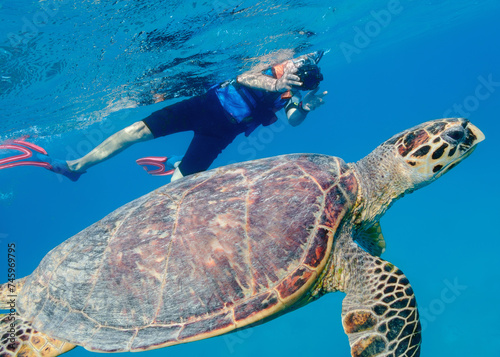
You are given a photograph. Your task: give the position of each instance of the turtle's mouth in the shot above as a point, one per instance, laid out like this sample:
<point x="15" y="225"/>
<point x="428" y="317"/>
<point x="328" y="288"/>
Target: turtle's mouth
<point x="452" y="164"/>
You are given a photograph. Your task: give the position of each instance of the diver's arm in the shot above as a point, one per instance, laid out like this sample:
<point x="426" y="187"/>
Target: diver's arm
<point x="296" y="111"/>
<point x="259" y="80"/>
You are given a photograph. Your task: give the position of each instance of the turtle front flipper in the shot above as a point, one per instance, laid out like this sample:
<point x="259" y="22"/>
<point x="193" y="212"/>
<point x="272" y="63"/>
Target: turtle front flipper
<point x="372" y="239"/>
<point x="17" y="337"/>
<point x="379" y="313"/>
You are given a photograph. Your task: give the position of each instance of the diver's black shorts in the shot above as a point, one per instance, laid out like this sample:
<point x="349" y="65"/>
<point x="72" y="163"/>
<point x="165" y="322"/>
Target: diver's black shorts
<point x="204" y="115"/>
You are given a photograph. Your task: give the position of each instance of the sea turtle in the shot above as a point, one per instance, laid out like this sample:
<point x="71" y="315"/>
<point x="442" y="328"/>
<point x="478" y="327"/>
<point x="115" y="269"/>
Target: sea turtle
<point x="237" y="246"/>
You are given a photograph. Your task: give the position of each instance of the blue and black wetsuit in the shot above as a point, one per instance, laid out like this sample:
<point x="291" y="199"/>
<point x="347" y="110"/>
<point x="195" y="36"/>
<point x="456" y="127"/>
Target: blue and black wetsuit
<point x="216" y="118"/>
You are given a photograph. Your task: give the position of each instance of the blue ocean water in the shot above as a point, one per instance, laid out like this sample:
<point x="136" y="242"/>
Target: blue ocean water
<point x="74" y="72"/>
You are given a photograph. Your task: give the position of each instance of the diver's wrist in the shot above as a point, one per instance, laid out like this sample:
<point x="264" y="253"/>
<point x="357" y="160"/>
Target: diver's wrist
<point x="302" y="109"/>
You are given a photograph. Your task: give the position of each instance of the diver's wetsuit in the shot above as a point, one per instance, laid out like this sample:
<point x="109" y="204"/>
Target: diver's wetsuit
<point x="213" y="125"/>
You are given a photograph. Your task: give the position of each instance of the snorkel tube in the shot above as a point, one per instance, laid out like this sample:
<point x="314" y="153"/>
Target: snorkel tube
<point x="311" y="58"/>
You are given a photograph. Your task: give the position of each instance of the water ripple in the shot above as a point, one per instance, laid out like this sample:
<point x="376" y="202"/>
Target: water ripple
<point x="66" y="60"/>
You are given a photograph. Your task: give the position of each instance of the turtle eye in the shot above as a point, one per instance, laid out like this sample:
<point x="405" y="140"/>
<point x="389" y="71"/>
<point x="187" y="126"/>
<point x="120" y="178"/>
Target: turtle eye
<point x="454" y="135"/>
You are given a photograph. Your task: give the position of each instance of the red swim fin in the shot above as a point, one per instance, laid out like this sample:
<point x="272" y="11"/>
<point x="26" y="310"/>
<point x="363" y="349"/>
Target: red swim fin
<point x="156" y="165"/>
<point x="34" y="155"/>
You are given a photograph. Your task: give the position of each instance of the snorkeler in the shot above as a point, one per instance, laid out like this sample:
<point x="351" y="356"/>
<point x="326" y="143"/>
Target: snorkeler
<point x="216" y="117"/>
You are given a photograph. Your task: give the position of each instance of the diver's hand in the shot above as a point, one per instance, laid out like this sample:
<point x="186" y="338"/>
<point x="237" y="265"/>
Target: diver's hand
<point x="288" y="79"/>
<point x="312" y="100"/>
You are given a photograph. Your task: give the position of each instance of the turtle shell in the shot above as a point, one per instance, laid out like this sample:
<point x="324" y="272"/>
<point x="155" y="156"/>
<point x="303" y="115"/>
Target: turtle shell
<point x="202" y="256"/>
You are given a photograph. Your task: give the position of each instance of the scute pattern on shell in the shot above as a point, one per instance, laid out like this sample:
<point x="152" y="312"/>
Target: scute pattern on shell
<point x="202" y="256"/>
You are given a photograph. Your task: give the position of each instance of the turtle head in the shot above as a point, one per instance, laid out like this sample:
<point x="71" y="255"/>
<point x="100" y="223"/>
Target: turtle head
<point x="413" y="159"/>
<point x="433" y="148"/>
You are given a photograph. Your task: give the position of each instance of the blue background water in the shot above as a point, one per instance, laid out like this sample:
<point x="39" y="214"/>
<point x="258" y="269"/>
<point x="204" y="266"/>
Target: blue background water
<point x="74" y="72"/>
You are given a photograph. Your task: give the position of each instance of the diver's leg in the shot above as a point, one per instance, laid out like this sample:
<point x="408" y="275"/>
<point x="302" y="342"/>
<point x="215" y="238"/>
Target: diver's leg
<point x="200" y="154"/>
<point x="113" y="145"/>
<point x="176" y="175"/>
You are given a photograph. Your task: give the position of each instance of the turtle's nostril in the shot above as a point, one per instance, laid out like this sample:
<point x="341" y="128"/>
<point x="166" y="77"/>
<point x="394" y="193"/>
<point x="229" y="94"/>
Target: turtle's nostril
<point x="453" y="135"/>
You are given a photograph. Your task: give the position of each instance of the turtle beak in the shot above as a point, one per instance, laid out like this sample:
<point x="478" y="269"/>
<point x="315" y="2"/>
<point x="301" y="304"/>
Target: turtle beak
<point x="460" y="141"/>
<point x="465" y="133"/>
<point x="477" y="133"/>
